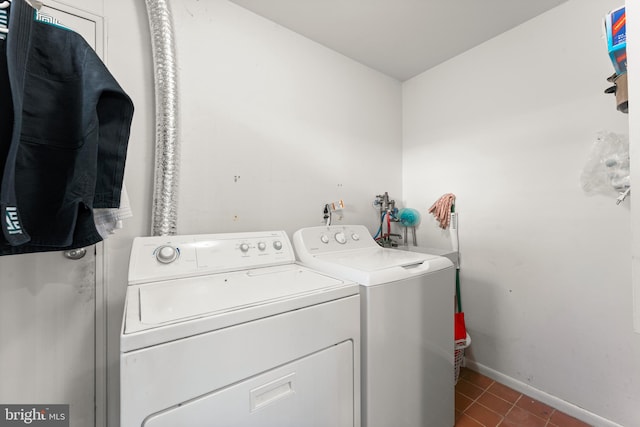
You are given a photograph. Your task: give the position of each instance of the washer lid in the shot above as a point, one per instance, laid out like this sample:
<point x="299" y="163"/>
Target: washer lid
<point x="377" y="266"/>
<point x="375" y="259"/>
<point x="349" y="252"/>
<point x="163" y="311"/>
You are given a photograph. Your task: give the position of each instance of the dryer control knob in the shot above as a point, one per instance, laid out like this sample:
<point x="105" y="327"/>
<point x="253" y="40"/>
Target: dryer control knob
<point x="244" y="247"/>
<point x="355" y="236"/>
<point x="324" y="239"/>
<point x="277" y="245"/>
<point x="262" y="246"/>
<point x="341" y="238"/>
<point x="166" y="254"/>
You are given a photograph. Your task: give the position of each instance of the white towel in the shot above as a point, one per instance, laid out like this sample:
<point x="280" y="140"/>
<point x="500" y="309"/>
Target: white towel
<point x="109" y="220"/>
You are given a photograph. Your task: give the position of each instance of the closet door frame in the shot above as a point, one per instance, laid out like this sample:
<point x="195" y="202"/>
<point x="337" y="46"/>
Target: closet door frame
<point x="92" y="27"/>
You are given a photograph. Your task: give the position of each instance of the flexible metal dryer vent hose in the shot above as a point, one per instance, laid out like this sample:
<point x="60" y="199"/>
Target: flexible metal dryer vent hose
<point x="164" y="210"/>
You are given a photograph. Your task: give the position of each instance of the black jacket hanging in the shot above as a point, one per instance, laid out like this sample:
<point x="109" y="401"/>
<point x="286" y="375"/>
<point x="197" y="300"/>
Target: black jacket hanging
<point x="68" y="137"/>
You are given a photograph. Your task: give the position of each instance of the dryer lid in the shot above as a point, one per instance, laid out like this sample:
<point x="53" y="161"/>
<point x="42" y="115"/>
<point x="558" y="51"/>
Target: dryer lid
<point x="212" y="295"/>
<point x="162" y="311"/>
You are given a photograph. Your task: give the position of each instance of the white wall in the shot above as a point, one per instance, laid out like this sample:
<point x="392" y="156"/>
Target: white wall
<point x="546" y="279"/>
<point x="300" y="126"/>
<point x="275" y="126"/>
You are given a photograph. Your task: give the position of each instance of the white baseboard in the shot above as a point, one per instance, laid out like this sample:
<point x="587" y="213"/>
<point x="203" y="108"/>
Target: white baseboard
<point x="559" y="404"/>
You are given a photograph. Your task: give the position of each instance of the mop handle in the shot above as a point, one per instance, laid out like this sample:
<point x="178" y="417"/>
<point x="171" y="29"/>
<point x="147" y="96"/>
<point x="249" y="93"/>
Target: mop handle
<point x="453" y="230"/>
<point x="458" y="297"/>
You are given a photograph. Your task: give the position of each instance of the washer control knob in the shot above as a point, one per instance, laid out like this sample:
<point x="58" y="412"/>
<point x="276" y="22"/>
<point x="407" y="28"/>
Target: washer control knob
<point x="166" y="254"/>
<point x="341" y="238"/>
<point x="277" y="245"/>
<point x="324" y="239"/>
<point x="244" y="247"/>
<point x="262" y="246"/>
<point x="355" y="236"/>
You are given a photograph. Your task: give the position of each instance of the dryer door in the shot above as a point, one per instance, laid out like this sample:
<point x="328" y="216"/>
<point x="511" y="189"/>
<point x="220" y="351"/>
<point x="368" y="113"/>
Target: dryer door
<point x="315" y="391"/>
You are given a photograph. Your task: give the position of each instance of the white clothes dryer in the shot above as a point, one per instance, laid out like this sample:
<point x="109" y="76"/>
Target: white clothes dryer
<point x="407" y="311"/>
<point x="227" y="330"/>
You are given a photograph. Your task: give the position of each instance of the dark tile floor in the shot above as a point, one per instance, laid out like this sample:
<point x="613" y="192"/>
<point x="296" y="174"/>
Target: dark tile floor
<point x="482" y="402"/>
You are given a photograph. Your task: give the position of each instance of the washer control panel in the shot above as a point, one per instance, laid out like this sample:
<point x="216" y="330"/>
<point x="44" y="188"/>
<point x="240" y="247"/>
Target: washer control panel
<point x="169" y="257"/>
<point x="333" y="238"/>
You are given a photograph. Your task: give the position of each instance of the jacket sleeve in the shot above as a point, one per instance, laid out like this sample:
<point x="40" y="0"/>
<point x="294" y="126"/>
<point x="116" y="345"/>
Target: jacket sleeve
<point x="114" y="114"/>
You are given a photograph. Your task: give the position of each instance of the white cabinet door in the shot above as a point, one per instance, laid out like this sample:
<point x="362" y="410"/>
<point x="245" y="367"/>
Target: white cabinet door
<point x="632" y="9"/>
<point x="48" y="307"/>
<point x="47" y="329"/>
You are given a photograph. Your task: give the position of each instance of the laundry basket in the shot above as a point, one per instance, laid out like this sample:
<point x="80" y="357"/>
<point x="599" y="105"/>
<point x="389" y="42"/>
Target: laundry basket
<point x="458" y="353"/>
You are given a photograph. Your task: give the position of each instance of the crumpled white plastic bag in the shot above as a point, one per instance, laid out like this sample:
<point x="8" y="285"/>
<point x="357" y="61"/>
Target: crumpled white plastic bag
<point x="36" y="4"/>
<point x="607" y="168"/>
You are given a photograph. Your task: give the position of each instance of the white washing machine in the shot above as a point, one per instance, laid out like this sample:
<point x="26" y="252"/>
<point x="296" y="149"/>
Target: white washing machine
<point x="227" y="330"/>
<point x="407" y="311"/>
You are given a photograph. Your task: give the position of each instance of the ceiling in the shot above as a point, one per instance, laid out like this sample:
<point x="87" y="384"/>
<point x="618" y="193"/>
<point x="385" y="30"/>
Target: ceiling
<point x="400" y="38"/>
